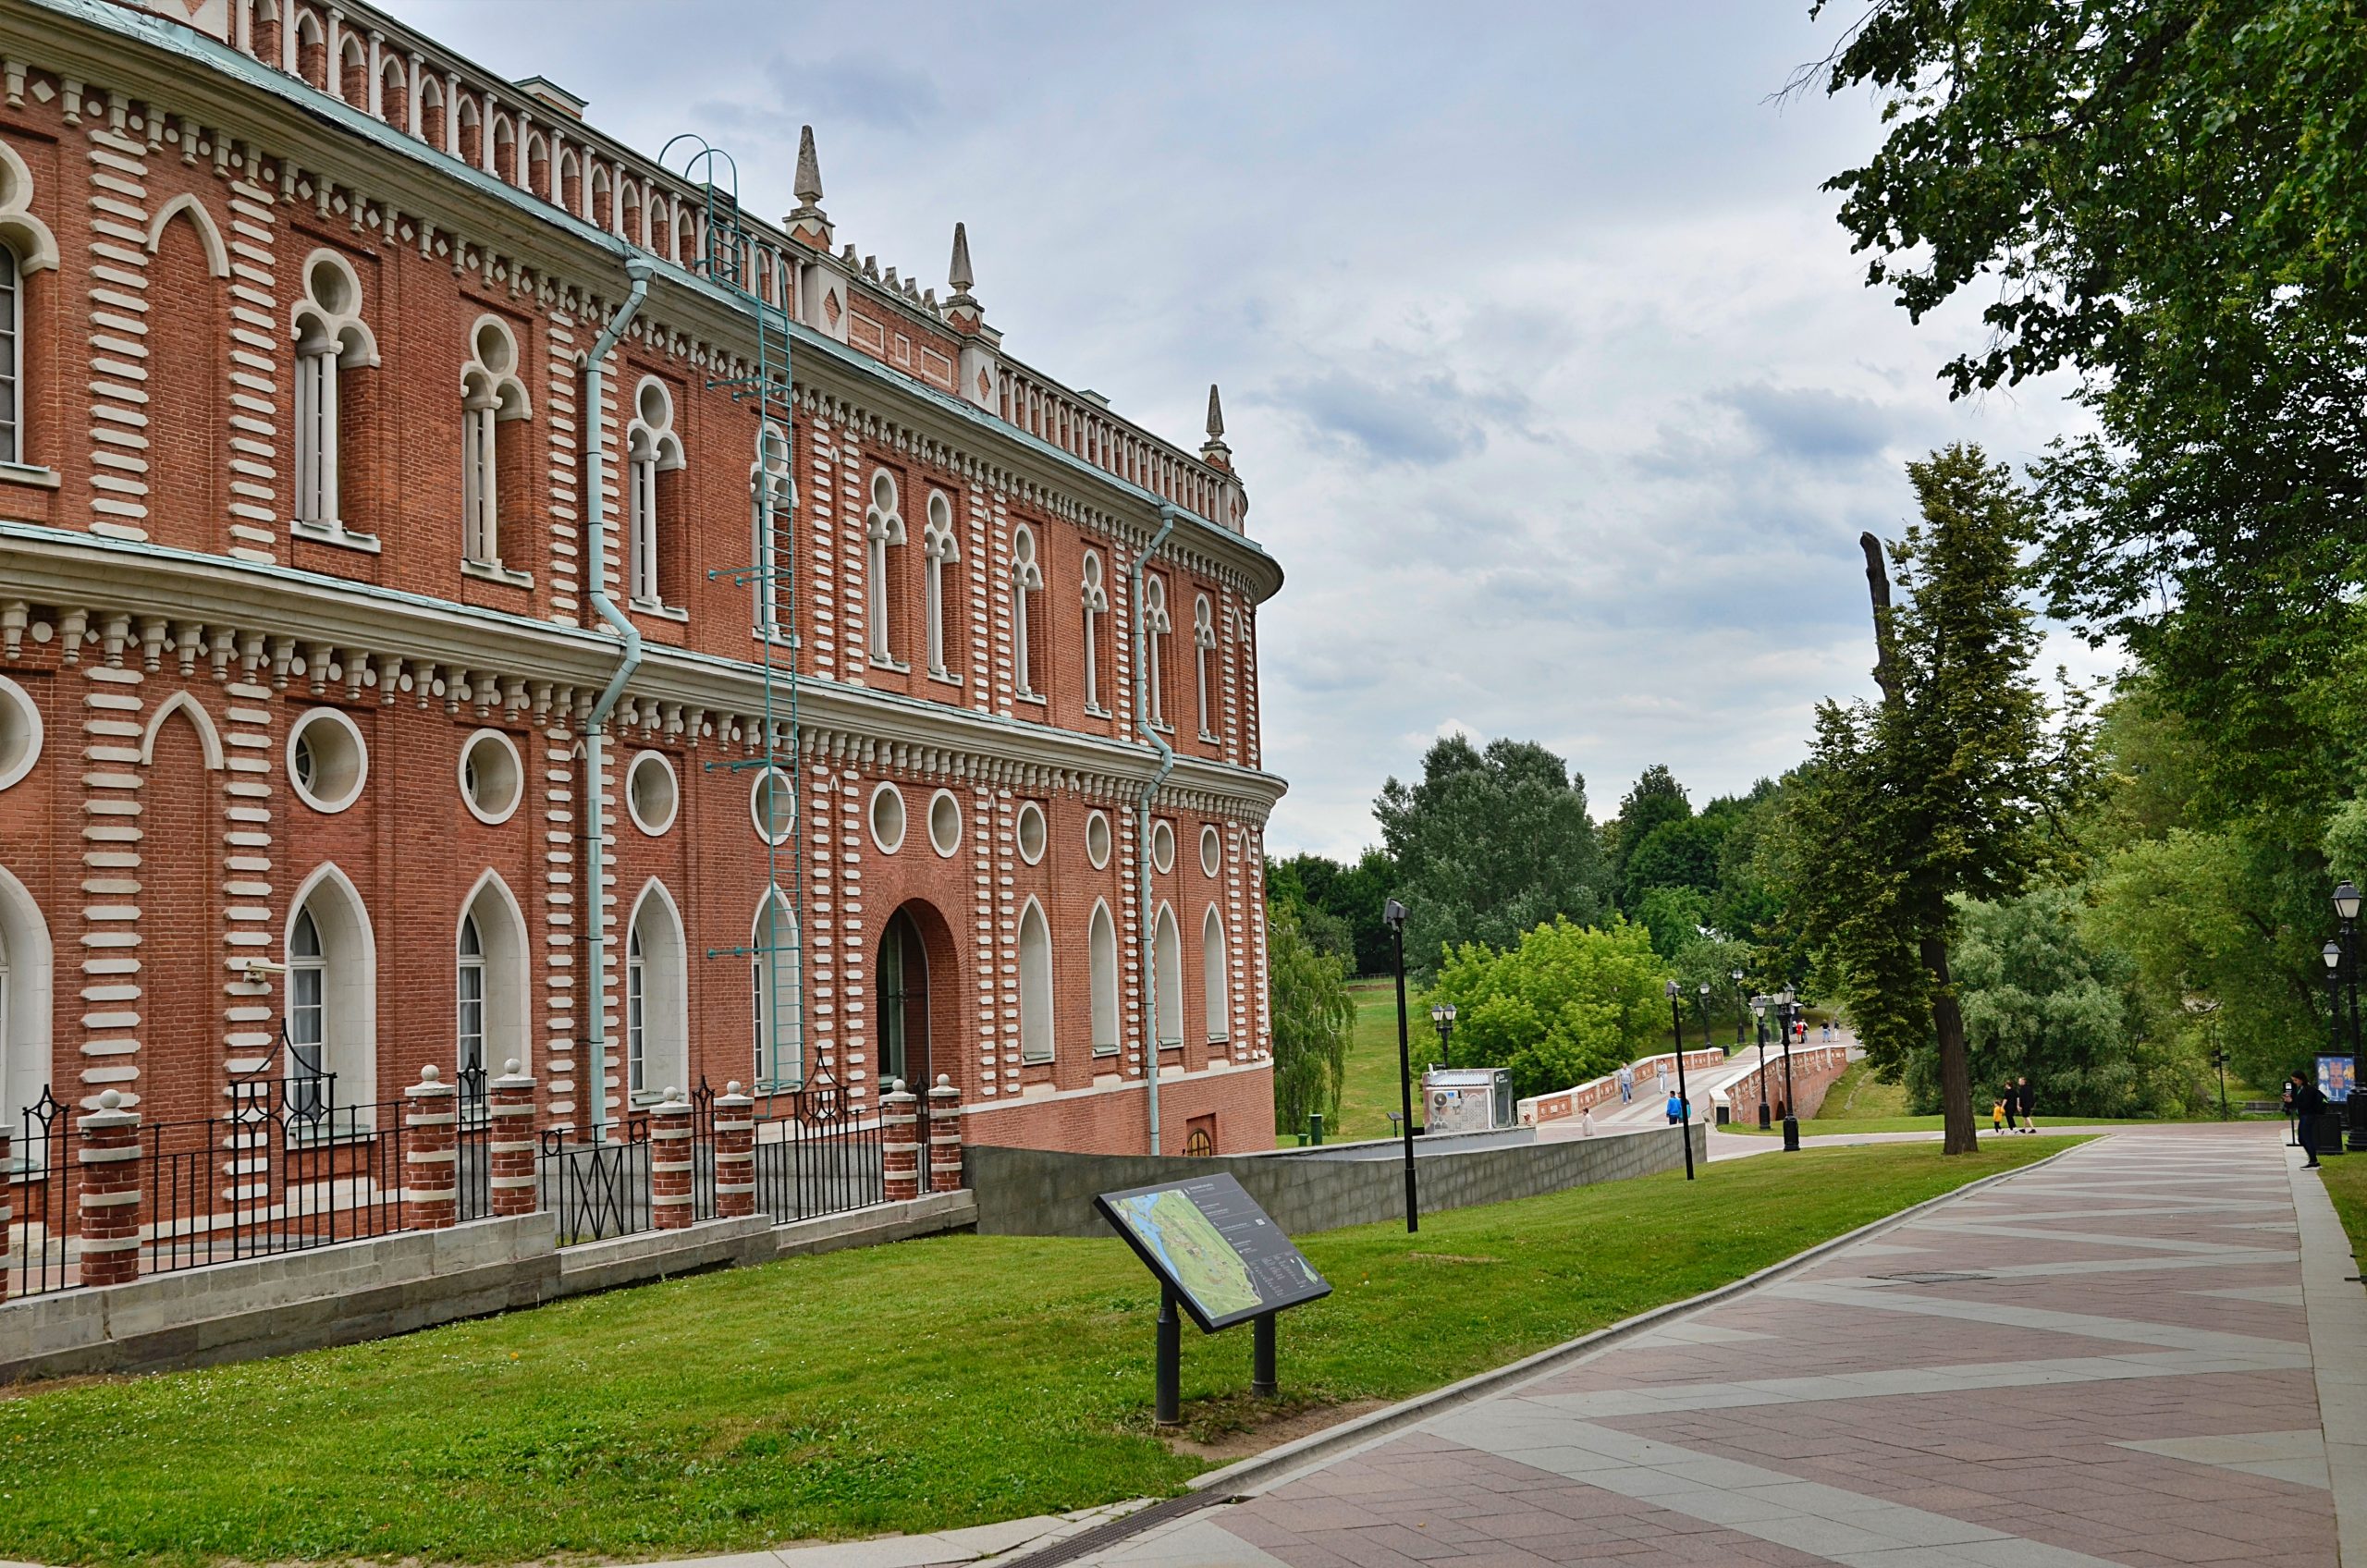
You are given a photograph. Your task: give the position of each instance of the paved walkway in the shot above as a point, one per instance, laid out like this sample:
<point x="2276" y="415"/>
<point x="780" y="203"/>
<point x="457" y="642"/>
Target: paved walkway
<point x="2106" y="1360"/>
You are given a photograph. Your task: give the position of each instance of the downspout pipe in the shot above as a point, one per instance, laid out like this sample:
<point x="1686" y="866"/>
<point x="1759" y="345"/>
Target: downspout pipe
<point x="595" y="991"/>
<point x="1167" y="517"/>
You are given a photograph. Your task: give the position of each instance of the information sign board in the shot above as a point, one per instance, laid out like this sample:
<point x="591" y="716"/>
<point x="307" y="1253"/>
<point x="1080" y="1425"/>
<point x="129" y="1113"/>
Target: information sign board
<point x="1209" y="1242"/>
<point x="2333" y="1078"/>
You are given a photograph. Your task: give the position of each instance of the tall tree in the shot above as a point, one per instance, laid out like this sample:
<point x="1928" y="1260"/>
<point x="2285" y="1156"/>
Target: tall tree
<point x="1562" y="1004"/>
<point x="1489" y="845"/>
<point x="1657" y="799"/>
<point x="2163" y="196"/>
<point x="1955" y="784"/>
<point x="1313" y="1018"/>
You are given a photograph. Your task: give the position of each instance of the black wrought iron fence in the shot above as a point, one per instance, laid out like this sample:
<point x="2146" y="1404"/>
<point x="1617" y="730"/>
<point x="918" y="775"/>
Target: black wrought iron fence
<point x="819" y="1152"/>
<point x="41" y="1196"/>
<point x="288" y="1165"/>
<point x="473" y="1145"/>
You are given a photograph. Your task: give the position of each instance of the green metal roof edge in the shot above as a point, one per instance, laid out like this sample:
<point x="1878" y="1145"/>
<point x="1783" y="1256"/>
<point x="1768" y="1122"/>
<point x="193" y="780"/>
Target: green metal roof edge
<point x="174" y="38"/>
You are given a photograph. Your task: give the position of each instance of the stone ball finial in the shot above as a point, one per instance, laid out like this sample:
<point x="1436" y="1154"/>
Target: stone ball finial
<point x="672" y="1094"/>
<point x="109" y="1099"/>
<point x="429" y="1074"/>
<point x="944" y="1080"/>
<point x="895" y="1086"/>
<point x="732" y="1087"/>
<point x="510" y="1067"/>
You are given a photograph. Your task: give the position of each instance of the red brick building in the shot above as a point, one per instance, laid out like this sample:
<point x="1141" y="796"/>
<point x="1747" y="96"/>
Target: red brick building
<point x="377" y="667"/>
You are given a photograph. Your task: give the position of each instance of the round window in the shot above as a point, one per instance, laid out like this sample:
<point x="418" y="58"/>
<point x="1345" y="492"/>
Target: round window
<point x="1211" y="850"/>
<point x="772" y="806"/>
<point x="651" y="793"/>
<point x="20" y="732"/>
<point x="944" y="823"/>
<point x="1031" y="832"/>
<point x="326" y="760"/>
<point x="1162" y="845"/>
<point x="492" y="778"/>
<point x="1097" y="839"/>
<point x="887" y="818"/>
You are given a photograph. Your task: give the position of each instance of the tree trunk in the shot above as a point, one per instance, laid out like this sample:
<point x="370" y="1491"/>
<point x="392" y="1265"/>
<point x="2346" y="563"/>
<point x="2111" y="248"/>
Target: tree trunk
<point x="1955" y="1068"/>
<point x="1885" y="642"/>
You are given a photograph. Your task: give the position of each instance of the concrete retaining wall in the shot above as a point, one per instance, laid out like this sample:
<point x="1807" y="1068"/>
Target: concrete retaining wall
<point x="390" y="1285"/>
<point x="1040" y="1193"/>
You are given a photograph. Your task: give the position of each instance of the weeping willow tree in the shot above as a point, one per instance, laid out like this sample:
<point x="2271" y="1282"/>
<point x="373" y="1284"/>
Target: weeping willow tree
<point x="1313" y="1018"/>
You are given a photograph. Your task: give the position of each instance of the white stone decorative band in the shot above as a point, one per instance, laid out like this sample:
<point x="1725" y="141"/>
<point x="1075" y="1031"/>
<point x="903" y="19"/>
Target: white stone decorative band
<point x="86" y="1245"/>
<point x="430" y="1195"/>
<point x="109" y="1200"/>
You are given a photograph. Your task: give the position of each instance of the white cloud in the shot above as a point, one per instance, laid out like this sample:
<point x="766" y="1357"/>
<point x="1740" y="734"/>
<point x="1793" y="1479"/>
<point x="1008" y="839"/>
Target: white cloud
<point x="1557" y="391"/>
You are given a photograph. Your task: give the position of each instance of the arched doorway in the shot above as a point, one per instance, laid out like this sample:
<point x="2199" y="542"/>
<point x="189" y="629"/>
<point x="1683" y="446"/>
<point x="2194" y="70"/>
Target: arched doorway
<point x="902" y="972"/>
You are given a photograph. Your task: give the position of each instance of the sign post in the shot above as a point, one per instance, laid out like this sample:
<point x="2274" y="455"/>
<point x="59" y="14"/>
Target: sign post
<point x="1217" y="1257"/>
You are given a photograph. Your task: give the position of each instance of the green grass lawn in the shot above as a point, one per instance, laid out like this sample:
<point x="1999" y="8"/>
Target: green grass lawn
<point x="2345" y="1179"/>
<point x="1858" y="1102"/>
<point x="926" y="1385"/>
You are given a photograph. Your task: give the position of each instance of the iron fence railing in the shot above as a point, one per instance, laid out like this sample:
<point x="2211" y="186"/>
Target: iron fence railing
<point x="289" y="1165"/>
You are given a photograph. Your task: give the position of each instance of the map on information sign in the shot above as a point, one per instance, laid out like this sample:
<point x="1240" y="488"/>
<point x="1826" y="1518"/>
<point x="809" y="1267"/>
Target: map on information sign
<point x="1207" y="1238"/>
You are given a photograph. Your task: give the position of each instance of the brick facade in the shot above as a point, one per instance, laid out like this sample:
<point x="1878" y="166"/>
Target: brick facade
<point x="201" y="210"/>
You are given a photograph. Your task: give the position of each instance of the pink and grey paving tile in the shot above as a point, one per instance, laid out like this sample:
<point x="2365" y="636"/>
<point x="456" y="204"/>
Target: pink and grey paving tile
<point x="2104" y="1360"/>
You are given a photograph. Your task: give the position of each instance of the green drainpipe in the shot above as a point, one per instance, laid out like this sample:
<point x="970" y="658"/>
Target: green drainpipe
<point x="1167" y="515"/>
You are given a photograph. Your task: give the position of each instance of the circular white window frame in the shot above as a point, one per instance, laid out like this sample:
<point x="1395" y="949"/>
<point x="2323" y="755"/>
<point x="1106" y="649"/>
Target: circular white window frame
<point x="1163" y="838"/>
<point x="1211" y="850"/>
<point x="1019" y="831"/>
<point x="1098" y="838"/>
<point x="673" y="793"/>
<point x="945" y="797"/>
<point x="755" y="814"/>
<point x="887" y="791"/>
<point x="336" y="719"/>
<point x="517" y="777"/>
<point x="26" y="716"/>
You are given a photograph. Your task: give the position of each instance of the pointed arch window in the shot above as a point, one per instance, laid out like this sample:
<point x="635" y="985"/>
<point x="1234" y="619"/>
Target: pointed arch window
<point x="1095" y="596"/>
<point x="1026" y="580"/>
<point x="1214" y="980"/>
<point x="1101" y="941"/>
<point x="307" y="1022"/>
<point x="1155" y="626"/>
<point x="1167" y="976"/>
<point x="1204" y="643"/>
<point x="12" y="355"/>
<point x="1035" y="986"/>
<point x="883" y="525"/>
<point x="772" y="498"/>
<point x="470" y="991"/>
<point x="636" y="1015"/>
<point x="651" y="450"/>
<point x="656" y="1020"/>
<point x="775" y="978"/>
<point x="939" y="546"/>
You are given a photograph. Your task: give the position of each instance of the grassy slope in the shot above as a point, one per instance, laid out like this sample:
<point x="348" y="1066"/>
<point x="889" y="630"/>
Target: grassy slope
<point x="927" y="1385"/>
<point x="2345" y="1179"/>
<point x="1860" y="1103"/>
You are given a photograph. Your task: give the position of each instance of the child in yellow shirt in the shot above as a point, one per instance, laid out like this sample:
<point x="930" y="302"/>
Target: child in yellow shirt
<point x="1997" y="1117"/>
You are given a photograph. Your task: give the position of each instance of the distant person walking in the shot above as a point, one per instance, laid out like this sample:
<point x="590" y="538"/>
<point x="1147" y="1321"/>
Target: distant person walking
<point x="1675" y="1111"/>
<point x="2026" y="1095"/>
<point x="1828" y="1030"/>
<point x="1663" y="1078"/>
<point x="1997" y="1115"/>
<point x="1627" y="1084"/>
<point x="1585" y="1123"/>
<point x="2308" y="1104"/>
<point x="2013" y="1100"/>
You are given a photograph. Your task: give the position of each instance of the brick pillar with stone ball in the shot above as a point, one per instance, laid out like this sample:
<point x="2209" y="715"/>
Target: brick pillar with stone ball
<point x="108" y="1221"/>
<point x="509" y="1145"/>
<point x="431" y="1153"/>
<point x="900" y="1154"/>
<point x="944" y="1137"/>
<point x="735" y="1154"/>
<point x="670" y="1163"/>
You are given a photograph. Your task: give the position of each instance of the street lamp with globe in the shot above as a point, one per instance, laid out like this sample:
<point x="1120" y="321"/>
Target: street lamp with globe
<point x="1443" y="1016"/>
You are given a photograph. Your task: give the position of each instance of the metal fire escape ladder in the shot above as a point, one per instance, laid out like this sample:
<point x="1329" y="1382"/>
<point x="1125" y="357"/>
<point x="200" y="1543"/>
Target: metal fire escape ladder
<point x="728" y="259"/>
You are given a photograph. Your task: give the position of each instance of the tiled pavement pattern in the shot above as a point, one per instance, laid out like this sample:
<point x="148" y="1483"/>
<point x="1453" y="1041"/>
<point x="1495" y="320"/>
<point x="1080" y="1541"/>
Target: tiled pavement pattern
<point x="2104" y="1360"/>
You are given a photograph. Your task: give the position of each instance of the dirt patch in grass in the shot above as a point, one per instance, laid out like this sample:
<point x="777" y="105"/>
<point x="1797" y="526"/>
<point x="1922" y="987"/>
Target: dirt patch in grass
<point x="1246" y="1427"/>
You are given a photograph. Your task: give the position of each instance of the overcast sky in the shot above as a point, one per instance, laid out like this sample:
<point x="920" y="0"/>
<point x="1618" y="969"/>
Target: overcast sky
<point x="1555" y="387"/>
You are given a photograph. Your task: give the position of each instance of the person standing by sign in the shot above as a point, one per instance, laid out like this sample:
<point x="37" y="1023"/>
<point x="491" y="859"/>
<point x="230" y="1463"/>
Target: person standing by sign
<point x="2309" y="1103"/>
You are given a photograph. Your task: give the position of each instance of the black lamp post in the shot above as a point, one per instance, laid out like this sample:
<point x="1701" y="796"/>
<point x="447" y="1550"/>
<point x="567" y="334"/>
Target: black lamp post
<point x="1758" y="1011"/>
<point x="1442" y="1015"/>
<point x="1393" y="914"/>
<point x="1684" y="1102"/>
<point x="2347" y="908"/>
<point x="1785" y="1002"/>
<point x="1735" y="976"/>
